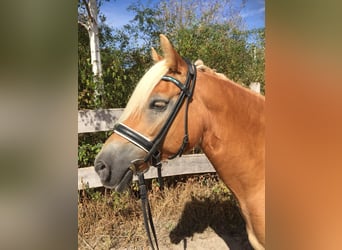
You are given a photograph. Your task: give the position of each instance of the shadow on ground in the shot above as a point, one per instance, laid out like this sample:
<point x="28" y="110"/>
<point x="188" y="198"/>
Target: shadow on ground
<point x="221" y="216"/>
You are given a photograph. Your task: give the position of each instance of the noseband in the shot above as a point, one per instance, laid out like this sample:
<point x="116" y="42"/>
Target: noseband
<point x="152" y="148"/>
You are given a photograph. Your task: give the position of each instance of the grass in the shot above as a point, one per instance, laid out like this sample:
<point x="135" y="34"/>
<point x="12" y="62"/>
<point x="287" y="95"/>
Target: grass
<point x="188" y="205"/>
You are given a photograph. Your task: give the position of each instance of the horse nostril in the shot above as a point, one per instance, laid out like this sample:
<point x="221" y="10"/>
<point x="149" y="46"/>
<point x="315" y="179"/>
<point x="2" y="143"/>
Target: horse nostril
<point x="103" y="170"/>
<point x="100" y="166"/>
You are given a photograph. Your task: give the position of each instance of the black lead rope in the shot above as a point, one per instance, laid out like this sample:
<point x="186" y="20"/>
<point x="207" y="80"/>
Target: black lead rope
<point x="148" y="221"/>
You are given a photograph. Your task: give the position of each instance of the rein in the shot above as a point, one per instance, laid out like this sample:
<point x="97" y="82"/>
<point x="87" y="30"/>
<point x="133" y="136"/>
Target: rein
<point x="152" y="148"/>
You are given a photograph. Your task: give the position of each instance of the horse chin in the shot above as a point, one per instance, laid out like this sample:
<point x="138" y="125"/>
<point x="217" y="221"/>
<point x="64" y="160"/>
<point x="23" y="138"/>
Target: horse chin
<point x="125" y="182"/>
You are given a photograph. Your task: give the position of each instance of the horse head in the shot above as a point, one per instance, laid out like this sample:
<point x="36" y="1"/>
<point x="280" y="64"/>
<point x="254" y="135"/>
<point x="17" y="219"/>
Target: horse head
<point x="159" y="120"/>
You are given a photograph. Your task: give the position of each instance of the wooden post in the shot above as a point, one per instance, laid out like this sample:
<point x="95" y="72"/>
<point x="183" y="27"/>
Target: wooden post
<point x="255" y="86"/>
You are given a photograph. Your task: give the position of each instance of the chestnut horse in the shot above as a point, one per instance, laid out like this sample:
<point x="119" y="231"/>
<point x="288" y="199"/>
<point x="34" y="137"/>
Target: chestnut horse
<point x="167" y="114"/>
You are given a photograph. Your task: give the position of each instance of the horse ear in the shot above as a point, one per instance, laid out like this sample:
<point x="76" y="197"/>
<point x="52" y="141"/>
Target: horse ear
<point x="173" y="59"/>
<point x="155" y="56"/>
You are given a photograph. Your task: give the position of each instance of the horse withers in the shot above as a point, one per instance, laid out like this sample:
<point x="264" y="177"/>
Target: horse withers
<point x="174" y="108"/>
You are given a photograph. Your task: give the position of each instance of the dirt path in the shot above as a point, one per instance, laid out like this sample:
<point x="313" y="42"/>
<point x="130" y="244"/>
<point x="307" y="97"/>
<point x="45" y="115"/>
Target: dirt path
<point x="204" y="224"/>
<point x="208" y="240"/>
<point x="197" y="214"/>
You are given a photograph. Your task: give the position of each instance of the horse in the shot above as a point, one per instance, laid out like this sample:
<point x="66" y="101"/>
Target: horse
<point x="176" y="107"/>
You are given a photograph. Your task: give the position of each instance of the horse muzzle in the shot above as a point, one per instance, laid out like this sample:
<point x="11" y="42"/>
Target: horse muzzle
<point x="116" y="163"/>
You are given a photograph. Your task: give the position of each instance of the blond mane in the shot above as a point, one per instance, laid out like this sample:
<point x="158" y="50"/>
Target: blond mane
<point x="144" y="88"/>
<point x="201" y="67"/>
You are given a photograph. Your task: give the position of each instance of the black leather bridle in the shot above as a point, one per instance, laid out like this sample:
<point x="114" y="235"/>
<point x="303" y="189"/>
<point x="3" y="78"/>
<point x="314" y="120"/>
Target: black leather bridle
<point x="152" y="148"/>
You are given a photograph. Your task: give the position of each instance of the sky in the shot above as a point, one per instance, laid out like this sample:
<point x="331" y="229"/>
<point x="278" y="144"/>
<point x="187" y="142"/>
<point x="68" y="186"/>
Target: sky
<point x="117" y="14"/>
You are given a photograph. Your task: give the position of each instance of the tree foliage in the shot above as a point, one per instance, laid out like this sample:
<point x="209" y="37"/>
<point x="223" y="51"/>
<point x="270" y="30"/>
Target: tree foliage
<point x="198" y="29"/>
<point x="175" y="14"/>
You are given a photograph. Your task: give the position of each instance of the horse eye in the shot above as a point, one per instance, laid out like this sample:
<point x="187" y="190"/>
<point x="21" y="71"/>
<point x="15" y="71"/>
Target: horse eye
<point x="159" y="105"/>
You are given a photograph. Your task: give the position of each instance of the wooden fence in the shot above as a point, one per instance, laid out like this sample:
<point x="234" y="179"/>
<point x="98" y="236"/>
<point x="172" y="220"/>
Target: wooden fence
<point x="90" y="121"/>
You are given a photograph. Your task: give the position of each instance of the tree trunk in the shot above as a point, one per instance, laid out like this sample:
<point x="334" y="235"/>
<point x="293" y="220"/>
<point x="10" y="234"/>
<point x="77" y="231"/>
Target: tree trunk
<point x="95" y="56"/>
<point x="94" y="39"/>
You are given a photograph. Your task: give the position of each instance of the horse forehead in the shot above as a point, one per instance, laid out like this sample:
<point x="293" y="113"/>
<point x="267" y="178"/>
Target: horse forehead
<point x="166" y="88"/>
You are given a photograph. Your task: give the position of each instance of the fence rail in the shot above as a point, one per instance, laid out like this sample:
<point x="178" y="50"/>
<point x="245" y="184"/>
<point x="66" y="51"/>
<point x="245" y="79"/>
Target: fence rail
<point x="97" y="120"/>
<point x="90" y="121"/>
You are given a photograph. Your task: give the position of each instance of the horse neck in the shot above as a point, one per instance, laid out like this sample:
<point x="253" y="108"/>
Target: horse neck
<point x="233" y="137"/>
